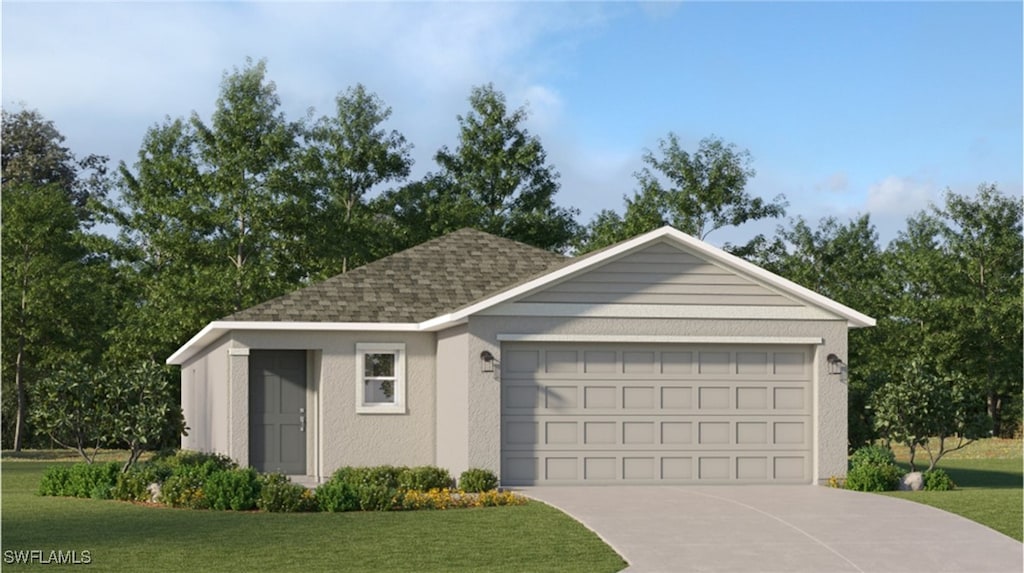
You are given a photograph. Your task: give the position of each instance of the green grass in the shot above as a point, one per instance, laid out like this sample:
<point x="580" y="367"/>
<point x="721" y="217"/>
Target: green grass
<point x="127" y="537"/>
<point x="990" y="490"/>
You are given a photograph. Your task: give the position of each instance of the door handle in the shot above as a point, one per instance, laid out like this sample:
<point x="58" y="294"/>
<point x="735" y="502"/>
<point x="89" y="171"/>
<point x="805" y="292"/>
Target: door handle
<point x="302" y="419"/>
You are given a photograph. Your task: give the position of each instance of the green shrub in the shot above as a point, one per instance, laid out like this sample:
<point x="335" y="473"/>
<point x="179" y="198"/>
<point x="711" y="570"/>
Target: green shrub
<point x="873" y="478"/>
<point x="279" y="494"/>
<point x="477" y="480"/>
<point x="424" y="478"/>
<point x="336" y="495"/>
<point x="938" y="480"/>
<point x="55" y="480"/>
<point x="236" y="489"/>
<point x="873" y="468"/>
<point x="184" y="487"/>
<point x="873" y="455"/>
<point x="386" y="476"/>
<point x="376" y="497"/>
<point x="133" y="485"/>
<point x="80" y="480"/>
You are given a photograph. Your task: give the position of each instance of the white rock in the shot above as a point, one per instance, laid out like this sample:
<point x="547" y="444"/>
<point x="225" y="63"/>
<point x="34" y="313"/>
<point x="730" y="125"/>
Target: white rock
<point x="154" y="492"/>
<point x="913" y="481"/>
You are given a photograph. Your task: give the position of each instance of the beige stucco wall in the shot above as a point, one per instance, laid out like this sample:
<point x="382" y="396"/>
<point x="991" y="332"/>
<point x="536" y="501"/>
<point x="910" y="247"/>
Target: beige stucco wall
<point x="204" y="399"/>
<point x="484" y="448"/>
<point x="337" y="435"/>
<point x="453" y="399"/>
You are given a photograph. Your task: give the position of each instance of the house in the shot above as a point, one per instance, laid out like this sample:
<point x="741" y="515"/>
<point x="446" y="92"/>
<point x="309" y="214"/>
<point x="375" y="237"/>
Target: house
<point x="660" y="359"/>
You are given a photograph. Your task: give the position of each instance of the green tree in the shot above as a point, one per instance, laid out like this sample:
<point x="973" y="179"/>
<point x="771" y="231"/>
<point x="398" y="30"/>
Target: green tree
<point x="844" y="262"/>
<point x="70" y="408"/>
<point x="209" y="217"/>
<point x="918" y="404"/>
<point x="959" y="302"/>
<point x="141" y="409"/>
<point x="349" y="154"/>
<point x="696" y="193"/>
<point x="497" y="180"/>
<point x="56" y="294"/>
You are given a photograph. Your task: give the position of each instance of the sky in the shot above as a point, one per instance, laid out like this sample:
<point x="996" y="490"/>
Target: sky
<point x="845" y="108"/>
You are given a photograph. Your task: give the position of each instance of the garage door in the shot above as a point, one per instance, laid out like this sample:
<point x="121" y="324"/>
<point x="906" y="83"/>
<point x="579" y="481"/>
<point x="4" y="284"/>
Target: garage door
<point x="604" y="414"/>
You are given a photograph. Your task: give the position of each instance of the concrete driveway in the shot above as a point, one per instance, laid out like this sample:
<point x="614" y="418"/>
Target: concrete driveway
<point x="780" y="528"/>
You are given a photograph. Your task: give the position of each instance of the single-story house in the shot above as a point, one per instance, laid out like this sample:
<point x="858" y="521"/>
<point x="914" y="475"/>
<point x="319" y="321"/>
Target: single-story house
<point x="660" y="359"/>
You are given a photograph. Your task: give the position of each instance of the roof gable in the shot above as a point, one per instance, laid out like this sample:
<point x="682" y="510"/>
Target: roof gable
<point x="661" y="273"/>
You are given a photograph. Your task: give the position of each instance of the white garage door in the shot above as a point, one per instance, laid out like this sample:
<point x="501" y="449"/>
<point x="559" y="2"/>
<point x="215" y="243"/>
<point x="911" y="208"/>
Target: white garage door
<point x="596" y="413"/>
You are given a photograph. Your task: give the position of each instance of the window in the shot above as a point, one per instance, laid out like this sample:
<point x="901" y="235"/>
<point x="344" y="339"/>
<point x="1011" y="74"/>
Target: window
<point x="380" y="378"/>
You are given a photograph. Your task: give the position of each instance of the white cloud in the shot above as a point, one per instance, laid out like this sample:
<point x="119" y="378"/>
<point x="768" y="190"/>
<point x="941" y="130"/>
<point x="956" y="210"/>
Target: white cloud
<point x="896" y="195"/>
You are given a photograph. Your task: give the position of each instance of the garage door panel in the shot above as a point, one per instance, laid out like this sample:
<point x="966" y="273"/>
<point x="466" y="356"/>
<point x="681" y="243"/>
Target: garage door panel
<point x="659" y="467"/>
<point x="652" y="432"/>
<point x="603" y="414"/>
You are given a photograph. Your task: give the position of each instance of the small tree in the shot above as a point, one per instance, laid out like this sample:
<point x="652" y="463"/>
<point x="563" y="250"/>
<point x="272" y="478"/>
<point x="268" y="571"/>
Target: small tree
<point x="140" y="408"/>
<point x="920" y="404"/>
<point x="69" y="408"/>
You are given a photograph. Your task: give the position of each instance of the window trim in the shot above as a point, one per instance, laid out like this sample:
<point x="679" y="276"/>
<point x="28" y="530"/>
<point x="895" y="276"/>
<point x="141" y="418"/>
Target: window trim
<point x="396" y="348"/>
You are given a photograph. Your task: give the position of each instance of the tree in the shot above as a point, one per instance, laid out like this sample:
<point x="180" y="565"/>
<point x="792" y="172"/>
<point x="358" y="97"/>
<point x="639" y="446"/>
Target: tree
<point x="56" y="294"/>
<point x="959" y="302"/>
<point x="497" y="180"/>
<point x="919" y="404"/>
<point x="83" y="407"/>
<point x="33" y="154"/>
<point x="141" y="409"/>
<point x="844" y="262"/>
<point x="209" y="217"/>
<point x="348" y="155"/>
<point x="70" y="408"/>
<point x="696" y="193"/>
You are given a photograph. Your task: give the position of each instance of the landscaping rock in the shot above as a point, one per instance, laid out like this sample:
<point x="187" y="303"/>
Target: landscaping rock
<point x="154" y="492"/>
<point x="913" y="481"/>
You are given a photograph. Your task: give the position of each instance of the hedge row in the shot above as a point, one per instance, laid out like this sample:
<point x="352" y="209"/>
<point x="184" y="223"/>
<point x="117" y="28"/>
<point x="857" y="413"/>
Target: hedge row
<point x="210" y="481"/>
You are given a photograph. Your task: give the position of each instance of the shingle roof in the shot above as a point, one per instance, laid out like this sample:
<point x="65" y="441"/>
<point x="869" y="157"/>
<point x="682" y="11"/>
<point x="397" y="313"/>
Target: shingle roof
<point x="414" y="285"/>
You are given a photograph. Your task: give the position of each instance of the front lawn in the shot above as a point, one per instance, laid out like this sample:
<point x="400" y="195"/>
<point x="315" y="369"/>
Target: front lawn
<point x="125" y="537"/>
<point x="989" y="490"/>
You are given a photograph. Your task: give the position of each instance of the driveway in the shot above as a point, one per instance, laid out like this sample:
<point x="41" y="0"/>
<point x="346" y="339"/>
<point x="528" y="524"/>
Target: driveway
<point x="780" y="528"/>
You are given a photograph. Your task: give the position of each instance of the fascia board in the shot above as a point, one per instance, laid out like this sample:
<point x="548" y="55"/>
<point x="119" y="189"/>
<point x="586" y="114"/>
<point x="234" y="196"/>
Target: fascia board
<point x="217" y="328"/>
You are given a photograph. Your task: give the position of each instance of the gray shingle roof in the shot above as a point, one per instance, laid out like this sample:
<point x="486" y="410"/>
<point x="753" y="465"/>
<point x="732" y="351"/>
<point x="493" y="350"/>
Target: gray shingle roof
<point x="413" y="285"/>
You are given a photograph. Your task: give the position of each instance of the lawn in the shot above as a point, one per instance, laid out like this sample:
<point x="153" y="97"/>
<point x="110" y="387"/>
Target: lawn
<point x="989" y="478"/>
<point x="125" y="537"/>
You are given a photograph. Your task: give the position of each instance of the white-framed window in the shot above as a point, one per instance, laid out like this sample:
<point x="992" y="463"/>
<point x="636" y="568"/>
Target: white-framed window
<point x="380" y="378"/>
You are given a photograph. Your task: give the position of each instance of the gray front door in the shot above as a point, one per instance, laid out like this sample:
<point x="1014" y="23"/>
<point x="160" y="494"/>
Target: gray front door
<point x="277" y="411"/>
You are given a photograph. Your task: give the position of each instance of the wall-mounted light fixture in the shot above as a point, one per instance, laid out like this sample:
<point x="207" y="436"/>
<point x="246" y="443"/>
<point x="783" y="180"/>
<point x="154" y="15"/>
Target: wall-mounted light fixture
<point x="836" y="366"/>
<point x="487" y="361"/>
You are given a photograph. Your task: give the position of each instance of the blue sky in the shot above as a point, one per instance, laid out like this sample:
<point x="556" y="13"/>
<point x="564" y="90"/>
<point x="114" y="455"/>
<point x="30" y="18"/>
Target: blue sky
<point x="846" y="108"/>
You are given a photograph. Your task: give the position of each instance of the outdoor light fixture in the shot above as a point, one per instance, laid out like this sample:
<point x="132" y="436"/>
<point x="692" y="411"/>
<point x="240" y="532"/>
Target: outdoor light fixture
<point x="486" y="361"/>
<point x="835" y="364"/>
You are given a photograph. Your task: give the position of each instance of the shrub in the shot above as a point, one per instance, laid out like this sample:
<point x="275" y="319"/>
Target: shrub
<point x="236" y="489"/>
<point x="376" y="497"/>
<point x="184" y="487"/>
<point x="336" y="495"/>
<point x="279" y="494"/>
<point x="873" y="468"/>
<point x="386" y="476"/>
<point x="133" y="485"/>
<point x="874" y="455"/>
<point x="80" y="480"/>
<point x="494" y="498"/>
<point x="870" y="477"/>
<point x="424" y="478"/>
<point x="55" y="479"/>
<point x="938" y="480"/>
<point x="477" y="480"/>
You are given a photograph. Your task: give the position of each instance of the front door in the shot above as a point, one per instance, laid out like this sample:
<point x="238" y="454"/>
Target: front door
<point x="277" y="411"/>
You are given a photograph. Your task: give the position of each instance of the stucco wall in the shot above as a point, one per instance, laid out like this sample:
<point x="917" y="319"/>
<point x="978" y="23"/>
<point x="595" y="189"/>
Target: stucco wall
<point x="344" y="437"/>
<point x="453" y="399"/>
<point x="484" y="449"/>
<point x="204" y="399"/>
